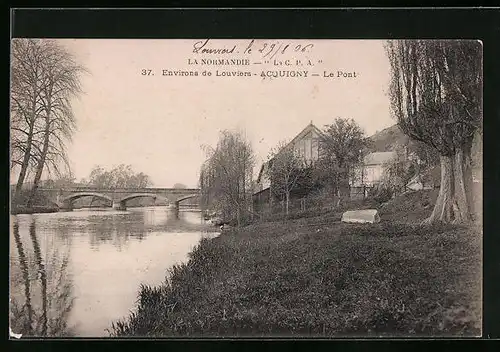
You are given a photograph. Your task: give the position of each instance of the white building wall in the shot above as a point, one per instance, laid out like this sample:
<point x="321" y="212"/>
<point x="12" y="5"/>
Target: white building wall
<point x="308" y="147"/>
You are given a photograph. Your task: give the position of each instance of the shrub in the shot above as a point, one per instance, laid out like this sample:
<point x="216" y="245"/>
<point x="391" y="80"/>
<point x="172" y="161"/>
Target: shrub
<point x="381" y="194"/>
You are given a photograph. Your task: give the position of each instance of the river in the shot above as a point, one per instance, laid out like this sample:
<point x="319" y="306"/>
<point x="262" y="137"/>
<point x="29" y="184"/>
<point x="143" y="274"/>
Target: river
<point x="74" y="273"/>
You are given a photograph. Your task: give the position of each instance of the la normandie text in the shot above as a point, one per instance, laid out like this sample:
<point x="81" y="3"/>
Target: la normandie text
<point x="219" y="62"/>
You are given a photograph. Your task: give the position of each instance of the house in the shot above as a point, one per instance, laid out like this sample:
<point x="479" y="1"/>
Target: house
<point x="306" y="144"/>
<point x="371" y="172"/>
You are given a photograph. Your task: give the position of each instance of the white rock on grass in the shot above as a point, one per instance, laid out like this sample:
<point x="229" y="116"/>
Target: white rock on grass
<point x="361" y="216"/>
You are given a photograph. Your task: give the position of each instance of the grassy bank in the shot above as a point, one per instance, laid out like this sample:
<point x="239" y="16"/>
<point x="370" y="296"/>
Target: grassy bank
<point x="315" y="277"/>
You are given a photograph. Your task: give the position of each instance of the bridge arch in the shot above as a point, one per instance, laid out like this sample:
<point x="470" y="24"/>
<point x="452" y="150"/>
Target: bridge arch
<point x="140" y="195"/>
<point x="186" y="197"/>
<point x="75" y="196"/>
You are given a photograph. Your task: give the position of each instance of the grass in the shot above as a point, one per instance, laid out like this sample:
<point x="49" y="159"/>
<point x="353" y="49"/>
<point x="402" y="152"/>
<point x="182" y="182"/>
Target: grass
<point x="314" y="276"/>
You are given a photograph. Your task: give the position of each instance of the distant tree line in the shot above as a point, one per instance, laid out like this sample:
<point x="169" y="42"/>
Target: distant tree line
<point x="121" y="176"/>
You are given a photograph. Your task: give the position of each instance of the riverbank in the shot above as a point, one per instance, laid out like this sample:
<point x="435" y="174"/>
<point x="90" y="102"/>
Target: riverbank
<point x="33" y="210"/>
<point x="317" y="277"/>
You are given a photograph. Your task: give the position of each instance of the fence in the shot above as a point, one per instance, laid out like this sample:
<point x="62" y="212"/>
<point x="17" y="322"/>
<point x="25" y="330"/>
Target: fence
<point x="312" y="204"/>
<point x="360" y="192"/>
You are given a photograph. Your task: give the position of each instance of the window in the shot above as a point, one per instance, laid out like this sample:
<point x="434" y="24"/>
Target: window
<point x="308" y="151"/>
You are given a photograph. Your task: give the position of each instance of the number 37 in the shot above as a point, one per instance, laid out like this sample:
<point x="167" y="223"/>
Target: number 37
<point x="146" y="72"/>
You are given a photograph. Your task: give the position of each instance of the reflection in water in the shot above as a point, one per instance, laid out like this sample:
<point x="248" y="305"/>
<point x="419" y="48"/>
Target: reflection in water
<point x="43" y="277"/>
<point x="25" y="323"/>
<point x="37" y="272"/>
<point x="74" y="273"/>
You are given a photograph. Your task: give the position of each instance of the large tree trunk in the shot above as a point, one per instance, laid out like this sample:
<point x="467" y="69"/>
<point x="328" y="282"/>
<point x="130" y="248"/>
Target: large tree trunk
<point x="238" y="216"/>
<point x="41" y="162"/>
<point x="335" y="194"/>
<point x="29" y="144"/>
<point x="463" y="186"/>
<point x="25" y="164"/>
<point x="453" y="204"/>
<point x="344" y="190"/>
<point x="287" y="202"/>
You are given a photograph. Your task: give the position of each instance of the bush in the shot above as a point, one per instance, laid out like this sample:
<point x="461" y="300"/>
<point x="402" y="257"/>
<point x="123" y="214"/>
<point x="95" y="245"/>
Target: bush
<point x="381" y="194"/>
<point x="412" y="206"/>
<point x="38" y="199"/>
<point x="245" y="219"/>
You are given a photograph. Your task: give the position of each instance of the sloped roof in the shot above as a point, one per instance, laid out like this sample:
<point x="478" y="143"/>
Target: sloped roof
<point x="379" y="158"/>
<point x="304" y="132"/>
<point x="309" y="128"/>
<point x="261" y="172"/>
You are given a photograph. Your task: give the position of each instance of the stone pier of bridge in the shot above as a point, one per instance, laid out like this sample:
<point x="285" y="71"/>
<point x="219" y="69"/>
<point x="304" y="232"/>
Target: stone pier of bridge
<point x="119" y="205"/>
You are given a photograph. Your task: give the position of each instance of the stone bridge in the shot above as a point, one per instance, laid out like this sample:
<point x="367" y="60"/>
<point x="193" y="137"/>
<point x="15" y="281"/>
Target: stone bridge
<point x="118" y="197"/>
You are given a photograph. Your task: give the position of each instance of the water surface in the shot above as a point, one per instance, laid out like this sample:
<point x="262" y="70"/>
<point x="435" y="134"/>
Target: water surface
<point x="73" y="273"/>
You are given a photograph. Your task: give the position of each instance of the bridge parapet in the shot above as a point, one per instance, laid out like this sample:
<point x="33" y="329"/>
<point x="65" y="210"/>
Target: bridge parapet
<point x="124" y="190"/>
<point x="65" y="196"/>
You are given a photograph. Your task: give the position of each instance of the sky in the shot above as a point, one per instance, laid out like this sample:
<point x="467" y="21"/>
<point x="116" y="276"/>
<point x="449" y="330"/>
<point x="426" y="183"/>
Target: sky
<point x="158" y="124"/>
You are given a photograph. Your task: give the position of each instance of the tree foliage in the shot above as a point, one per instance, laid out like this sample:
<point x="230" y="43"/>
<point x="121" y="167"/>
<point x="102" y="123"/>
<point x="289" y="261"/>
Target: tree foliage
<point x="226" y="176"/>
<point x="427" y="155"/>
<point x="399" y="171"/>
<point x="436" y="97"/>
<point x="121" y="176"/>
<point x="342" y="147"/>
<point x="60" y="182"/>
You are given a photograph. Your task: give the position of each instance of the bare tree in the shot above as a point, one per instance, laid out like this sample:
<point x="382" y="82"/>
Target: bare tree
<point x="286" y="167"/>
<point x="60" y="82"/>
<point x="44" y="79"/>
<point x="342" y="147"/>
<point x="436" y="97"/>
<point x="26" y="77"/>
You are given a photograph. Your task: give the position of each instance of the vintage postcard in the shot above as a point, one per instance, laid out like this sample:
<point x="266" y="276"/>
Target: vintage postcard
<point x="245" y="188"/>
